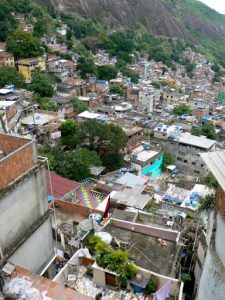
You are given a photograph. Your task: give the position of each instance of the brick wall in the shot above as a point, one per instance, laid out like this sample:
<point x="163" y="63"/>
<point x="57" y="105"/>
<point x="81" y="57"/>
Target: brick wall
<point x="9" y="143"/>
<point x="77" y="208"/>
<point x="47" y="112"/>
<point x="13" y="165"/>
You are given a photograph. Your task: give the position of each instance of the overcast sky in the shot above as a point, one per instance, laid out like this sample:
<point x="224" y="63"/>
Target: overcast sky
<point x="218" y="5"/>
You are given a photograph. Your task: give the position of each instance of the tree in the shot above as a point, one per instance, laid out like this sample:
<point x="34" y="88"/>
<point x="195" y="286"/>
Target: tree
<point x="117" y="261"/>
<point x="40" y="27"/>
<point x="86" y="66"/>
<point x="151" y="286"/>
<point x="196" y="131"/>
<point x="23" y="44"/>
<point x="9" y="75"/>
<point x="113" y="161"/>
<point x="117" y="138"/>
<point x="91" y="43"/>
<point x="134" y="77"/>
<point x="207" y="129"/>
<point x="76" y="164"/>
<point x="210" y="181"/>
<point x="70" y="138"/>
<point x="181" y="110"/>
<point x="78" y="105"/>
<point x="48" y="104"/>
<point x="90" y="158"/>
<point x="107" y="72"/>
<point x="167" y="160"/>
<point x="8" y="22"/>
<point x="207" y="202"/>
<point x="116" y="89"/>
<point x="42" y="84"/>
<point x="96" y="245"/>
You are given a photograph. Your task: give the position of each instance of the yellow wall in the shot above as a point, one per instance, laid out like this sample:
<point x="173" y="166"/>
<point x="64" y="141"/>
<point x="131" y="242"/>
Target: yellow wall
<point x="26" y="71"/>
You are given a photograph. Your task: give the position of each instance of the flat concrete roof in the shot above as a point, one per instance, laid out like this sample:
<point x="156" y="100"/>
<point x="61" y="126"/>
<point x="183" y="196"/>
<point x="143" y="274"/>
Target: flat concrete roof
<point x="132" y="197"/>
<point x="82" y="98"/>
<point x="144" y="156"/>
<point x="89" y="115"/>
<point x="146" y="251"/>
<point x="130" y="179"/>
<point x="197" y="141"/>
<point x="132" y="130"/>
<point x="6" y="103"/>
<point x="5" y="91"/>
<point x="38" y="119"/>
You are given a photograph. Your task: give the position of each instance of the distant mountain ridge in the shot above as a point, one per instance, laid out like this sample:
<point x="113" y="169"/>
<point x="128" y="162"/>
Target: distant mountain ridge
<point x="171" y="18"/>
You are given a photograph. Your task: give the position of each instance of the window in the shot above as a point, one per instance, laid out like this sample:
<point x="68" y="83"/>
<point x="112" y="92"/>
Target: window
<point x="193" y="163"/>
<point x="185" y="161"/>
<point x="197" y="172"/>
<point x="179" y="158"/>
<point x="202" y="165"/>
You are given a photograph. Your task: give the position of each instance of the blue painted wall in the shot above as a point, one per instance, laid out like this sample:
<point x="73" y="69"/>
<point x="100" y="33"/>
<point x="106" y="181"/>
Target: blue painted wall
<point x="154" y="170"/>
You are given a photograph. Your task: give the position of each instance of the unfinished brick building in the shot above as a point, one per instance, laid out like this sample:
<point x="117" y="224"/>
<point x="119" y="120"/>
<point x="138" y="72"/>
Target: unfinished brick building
<point x="26" y="231"/>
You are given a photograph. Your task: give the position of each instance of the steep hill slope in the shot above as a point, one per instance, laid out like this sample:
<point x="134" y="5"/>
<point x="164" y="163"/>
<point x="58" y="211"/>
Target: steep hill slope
<point x="173" y="18"/>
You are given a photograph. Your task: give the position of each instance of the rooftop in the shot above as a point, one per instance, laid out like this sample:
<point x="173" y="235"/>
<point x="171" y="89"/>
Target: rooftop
<point x="89" y="115"/>
<point x="7" y="103"/>
<point x="144" y="156"/>
<point x="129" y="179"/>
<point x="60" y="185"/>
<point x="215" y="161"/>
<point x="146" y="251"/>
<point x="197" y="141"/>
<point x="132" y="197"/>
<point x="38" y="119"/>
<point x="53" y="290"/>
<point x="132" y="130"/>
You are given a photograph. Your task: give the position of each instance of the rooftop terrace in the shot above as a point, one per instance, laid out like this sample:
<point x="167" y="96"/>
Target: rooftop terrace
<point x="146" y="251"/>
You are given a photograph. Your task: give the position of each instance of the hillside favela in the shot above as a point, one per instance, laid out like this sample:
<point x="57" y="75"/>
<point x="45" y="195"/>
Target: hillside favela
<point x="112" y="150"/>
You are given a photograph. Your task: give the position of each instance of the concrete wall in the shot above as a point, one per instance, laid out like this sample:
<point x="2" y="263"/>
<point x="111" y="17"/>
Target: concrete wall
<point x="220" y="239"/>
<point x="37" y="250"/>
<point x="76" y="208"/>
<point x="186" y="158"/>
<point x="212" y="283"/>
<point x="21" y="208"/>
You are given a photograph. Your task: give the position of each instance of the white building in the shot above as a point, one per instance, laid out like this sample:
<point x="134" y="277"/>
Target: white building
<point x="210" y="264"/>
<point x="148" y="97"/>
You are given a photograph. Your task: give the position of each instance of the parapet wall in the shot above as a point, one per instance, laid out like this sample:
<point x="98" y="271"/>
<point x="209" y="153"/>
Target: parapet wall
<point x="19" y="157"/>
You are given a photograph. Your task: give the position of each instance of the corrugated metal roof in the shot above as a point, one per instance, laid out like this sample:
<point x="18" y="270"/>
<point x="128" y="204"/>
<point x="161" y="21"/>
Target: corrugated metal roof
<point x="215" y="161"/>
<point x="60" y="185"/>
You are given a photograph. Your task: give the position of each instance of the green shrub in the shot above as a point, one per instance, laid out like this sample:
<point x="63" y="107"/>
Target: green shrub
<point x="151" y="287"/>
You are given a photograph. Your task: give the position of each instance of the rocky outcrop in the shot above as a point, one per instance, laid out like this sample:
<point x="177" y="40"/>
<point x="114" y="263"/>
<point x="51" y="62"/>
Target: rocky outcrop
<point x="172" y="18"/>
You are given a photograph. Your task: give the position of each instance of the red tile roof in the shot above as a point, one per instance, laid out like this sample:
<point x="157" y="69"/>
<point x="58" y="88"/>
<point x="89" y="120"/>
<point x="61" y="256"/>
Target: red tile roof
<point x="60" y="185"/>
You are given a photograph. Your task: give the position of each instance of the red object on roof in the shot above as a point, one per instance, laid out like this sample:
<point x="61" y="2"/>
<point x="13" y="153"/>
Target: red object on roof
<point x="60" y="185"/>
